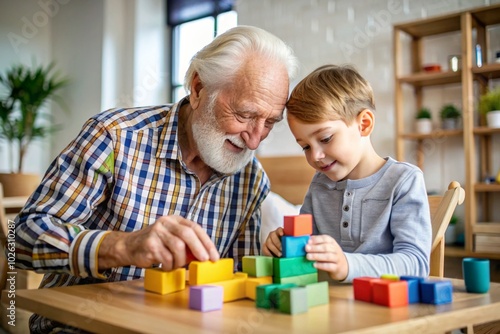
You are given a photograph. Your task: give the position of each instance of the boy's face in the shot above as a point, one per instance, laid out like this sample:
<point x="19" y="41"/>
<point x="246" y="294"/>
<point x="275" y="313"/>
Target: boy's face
<point x="331" y="147"/>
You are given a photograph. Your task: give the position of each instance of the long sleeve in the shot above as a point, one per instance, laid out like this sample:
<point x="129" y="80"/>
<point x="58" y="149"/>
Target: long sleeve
<point x="52" y="230"/>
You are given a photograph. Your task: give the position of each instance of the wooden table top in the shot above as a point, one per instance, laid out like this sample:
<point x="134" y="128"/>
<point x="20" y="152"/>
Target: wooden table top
<point x="125" y="307"/>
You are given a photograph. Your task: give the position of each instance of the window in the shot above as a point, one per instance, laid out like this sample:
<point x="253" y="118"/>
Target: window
<point x="194" y="24"/>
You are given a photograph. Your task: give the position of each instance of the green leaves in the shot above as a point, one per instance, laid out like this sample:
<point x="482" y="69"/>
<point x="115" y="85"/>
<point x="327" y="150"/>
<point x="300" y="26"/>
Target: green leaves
<point x="27" y="90"/>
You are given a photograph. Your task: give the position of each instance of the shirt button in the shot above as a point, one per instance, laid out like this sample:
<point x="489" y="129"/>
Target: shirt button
<point x="345" y="224"/>
<point x="349" y="194"/>
<point x="346" y="208"/>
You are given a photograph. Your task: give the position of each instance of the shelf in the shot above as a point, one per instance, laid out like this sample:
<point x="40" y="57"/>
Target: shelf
<point x="484" y="130"/>
<point x="487" y="16"/>
<point x="487" y="71"/>
<point x="487" y="187"/>
<point x="433" y="135"/>
<point x="431" y="26"/>
<point x="481" y="227"/>
<point x="458" y="251"/>
<point x="422" y="79"/>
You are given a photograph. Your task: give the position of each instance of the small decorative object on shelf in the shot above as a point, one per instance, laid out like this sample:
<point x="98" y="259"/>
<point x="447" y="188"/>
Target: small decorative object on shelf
<point x="454" y="63"/>
<point x="489" y="105"/>
<point x="424" y="121"/>
<point x="450" y="116"/>
<point x="432" y="68"/>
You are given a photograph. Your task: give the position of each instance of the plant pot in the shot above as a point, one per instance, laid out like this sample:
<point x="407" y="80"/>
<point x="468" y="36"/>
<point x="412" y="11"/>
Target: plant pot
<point x="450" y="123"/>
<point x="19" y="184"/>
<point x="423" y="125"/>
<point x="450" y="236"/>
<point x="493" y="119"/>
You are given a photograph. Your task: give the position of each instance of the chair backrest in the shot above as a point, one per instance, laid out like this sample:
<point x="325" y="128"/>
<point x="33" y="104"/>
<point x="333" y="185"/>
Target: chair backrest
<point x="442" y="208"/>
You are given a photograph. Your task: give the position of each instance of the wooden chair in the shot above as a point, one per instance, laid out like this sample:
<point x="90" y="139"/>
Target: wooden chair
<point x="442" y="208"/>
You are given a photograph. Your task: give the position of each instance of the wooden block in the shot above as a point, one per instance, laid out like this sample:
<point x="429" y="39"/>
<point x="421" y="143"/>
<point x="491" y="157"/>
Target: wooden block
<point x="363" y="288"/>
<point x="292" y="266"/>
<point x="209" y="272"/>
<point x="299" y="279"/>
<point x="413" y="288"/>
<point x="235" y="288"/>
<point x="436" y="292"/>
<point x="163" y="282"/>
<point x="189" y="256"/>
<point x="205" y="297"/>
<point x="298" y="225"/>
<point x="390" y="293"/>
<point x="294" y="246"/>
<point x="253" y="282"/>
<point x="390" y="277"/>
<point x="317" y="294"/>
<point x="291" y="301"/>
<point x="265" y="298"/>
<point x="274" y="296"/>
<point x="258" y="266"/>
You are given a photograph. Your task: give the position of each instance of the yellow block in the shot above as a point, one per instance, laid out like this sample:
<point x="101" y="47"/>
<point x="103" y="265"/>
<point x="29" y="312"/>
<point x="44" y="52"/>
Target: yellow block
<point x="163" y="282"/>
<point x="391" y="277"/>
<point x="209" y="272"/>
<point x="234" y="288"/>
<point x="253" y="282"/>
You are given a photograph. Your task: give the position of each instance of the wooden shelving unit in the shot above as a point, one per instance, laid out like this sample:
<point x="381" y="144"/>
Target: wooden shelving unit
<point x="482" y="230"/>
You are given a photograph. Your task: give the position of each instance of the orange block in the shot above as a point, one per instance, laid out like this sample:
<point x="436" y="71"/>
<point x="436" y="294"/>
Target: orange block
<point x="390" y="293"/>
<point x="298" y="225"/>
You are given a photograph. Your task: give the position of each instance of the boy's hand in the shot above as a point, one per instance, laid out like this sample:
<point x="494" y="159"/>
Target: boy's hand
<point x="272" y="246"/>
<point x="328" y="256"/>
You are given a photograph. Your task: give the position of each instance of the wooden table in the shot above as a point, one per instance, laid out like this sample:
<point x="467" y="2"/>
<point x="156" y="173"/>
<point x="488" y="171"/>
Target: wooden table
<point x="124" y="307"/>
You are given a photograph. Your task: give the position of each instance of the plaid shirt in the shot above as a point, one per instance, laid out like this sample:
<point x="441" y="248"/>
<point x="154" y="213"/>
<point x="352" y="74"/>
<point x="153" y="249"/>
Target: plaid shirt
<point x="122" y="172"/>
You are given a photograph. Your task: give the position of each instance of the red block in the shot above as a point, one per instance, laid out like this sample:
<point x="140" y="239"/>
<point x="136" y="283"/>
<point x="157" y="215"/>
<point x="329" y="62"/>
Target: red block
<point x="390" y="293"/>
<point x="298" y="225"/>
<point x="189" y="256"/>
<point x="363" y="287"/>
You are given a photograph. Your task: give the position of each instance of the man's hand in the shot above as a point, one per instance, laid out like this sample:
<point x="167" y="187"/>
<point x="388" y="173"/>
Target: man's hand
<point x="165" y="242"/>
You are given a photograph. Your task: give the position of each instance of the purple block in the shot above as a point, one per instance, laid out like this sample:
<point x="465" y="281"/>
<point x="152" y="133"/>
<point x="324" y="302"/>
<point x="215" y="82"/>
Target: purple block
<point x="206" y="297"/>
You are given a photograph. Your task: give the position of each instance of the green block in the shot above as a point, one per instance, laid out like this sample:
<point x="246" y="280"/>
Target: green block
<point x="291" y="301"/>
<point x="292" y="266"/>
<point x="267" y="295"/>
<point x="298" y="280"/>
<point x="317" y="294"/>
<point x="390" y="277"/>
<point x="258" y="266"/>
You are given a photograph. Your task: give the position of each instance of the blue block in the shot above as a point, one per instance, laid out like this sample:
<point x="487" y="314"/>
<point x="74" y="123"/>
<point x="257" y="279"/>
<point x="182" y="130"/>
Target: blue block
<point x="413" y="288"/>
<point x="294" y="246"/>
<point x="436" y="292"/>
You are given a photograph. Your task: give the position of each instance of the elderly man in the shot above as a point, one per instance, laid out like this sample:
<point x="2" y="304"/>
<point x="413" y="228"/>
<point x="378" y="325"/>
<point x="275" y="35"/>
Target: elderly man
<point x="139" y="186"/>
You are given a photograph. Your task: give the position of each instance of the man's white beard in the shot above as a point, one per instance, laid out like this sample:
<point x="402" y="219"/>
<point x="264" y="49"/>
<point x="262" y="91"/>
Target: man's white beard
<point x="210" y="141"/>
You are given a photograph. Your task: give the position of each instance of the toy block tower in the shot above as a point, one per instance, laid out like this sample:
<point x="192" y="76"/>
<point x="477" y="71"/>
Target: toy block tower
<point x="293" y="266"/>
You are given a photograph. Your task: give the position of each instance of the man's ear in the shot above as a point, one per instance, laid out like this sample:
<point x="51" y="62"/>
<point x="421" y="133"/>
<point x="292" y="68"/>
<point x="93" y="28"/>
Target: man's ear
<point x="196" y="87"/>
<point x="366" y="122"/>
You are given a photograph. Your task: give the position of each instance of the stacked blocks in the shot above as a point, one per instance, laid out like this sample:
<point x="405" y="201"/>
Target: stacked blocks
<point x="406" y="289"/>
<point x="295" y="280"/>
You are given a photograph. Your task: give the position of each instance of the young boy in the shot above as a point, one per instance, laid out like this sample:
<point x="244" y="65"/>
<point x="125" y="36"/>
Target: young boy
<point x="371" y="214"/>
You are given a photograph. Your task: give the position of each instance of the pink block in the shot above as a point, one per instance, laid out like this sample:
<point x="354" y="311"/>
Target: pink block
<point x="206" y="297"/>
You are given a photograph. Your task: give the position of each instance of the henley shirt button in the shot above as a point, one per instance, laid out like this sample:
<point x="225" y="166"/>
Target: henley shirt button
<point x="346" y="208"/>
<point x="349" y="193"/>
<point x="345" y="224"/>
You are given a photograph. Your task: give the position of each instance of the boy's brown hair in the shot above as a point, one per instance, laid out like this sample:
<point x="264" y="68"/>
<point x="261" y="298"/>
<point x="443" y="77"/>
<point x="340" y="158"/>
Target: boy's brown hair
<point x="330" y="93"/>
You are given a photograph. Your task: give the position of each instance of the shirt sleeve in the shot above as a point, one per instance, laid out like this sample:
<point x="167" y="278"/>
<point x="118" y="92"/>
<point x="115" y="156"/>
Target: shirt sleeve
<point x="411" y="228"/>
<point x="54" y="232"/>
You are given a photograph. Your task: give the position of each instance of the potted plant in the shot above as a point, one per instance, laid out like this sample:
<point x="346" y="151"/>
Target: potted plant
<point x="424" y="120"/>
<point x="489" y="105"/>
<point x="450" y="117"/>
<point x="23" y="119"/>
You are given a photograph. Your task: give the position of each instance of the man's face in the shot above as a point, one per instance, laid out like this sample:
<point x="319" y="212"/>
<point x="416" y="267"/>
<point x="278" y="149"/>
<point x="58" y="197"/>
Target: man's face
<point x="229" y="126"/>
